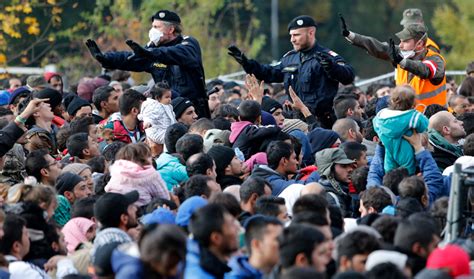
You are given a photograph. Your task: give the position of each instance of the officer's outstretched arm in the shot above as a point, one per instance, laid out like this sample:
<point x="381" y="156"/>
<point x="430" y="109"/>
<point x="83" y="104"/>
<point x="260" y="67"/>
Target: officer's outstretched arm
<point x="185" y="54"/>
<point x="120" y="60"/>
<point x="432" y="68"/>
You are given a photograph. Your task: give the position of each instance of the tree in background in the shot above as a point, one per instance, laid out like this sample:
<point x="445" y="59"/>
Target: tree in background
<point x="453" y="23"/>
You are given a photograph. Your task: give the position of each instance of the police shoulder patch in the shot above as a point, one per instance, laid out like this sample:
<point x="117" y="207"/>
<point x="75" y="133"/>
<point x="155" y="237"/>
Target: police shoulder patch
<point x="185" y="37"/>
<point x="289" y="52"/>
<point x="332" y="53"/>
<point x="185" y="43"/>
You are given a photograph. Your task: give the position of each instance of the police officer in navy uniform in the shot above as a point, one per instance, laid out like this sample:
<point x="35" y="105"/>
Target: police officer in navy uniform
<point x="168" y="56"/>
<point x="312" y="70"/>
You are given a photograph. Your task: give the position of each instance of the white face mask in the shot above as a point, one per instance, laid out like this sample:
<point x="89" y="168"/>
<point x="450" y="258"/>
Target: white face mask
<point x="407" y="53"/>
<point x="155" y="35"/>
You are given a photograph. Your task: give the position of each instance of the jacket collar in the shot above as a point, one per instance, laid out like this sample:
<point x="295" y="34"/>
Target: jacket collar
<point x="210" y="263"/>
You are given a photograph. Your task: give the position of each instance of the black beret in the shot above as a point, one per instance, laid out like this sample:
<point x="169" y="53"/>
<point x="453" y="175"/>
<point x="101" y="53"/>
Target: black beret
<point x="168" y="16"/>
<point x="301" y="21"/>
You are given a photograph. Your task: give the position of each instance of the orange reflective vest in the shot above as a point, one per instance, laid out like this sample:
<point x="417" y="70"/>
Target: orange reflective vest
<point x="430" y="44"/>
<point x="426" y="92"/>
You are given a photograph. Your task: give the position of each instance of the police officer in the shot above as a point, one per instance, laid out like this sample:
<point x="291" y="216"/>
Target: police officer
<point x="312" y="70"/>
<point x="169" y="56"/>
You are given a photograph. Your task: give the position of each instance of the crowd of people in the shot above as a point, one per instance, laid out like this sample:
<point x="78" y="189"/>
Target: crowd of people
<point x="294" y="173"/>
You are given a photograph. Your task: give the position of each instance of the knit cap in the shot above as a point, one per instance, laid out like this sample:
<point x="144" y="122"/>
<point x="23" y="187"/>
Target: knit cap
<point x="76" y="168"/>
<point x="180" y="104"/>
<point x="294" y="124"/>
<point x="222" y="156"/>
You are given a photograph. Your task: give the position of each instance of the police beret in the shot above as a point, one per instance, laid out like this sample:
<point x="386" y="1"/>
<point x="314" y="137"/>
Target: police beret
<point x="301" y="21"/>
<point x="168" y="16"/>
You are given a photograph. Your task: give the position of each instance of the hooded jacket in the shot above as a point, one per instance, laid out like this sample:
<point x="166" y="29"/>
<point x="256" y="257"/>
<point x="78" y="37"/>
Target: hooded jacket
<point x="127" y="176"/>
<point x="250" y="138"/>
<point x="391" y="126"/>
<point x="171" y="170"/>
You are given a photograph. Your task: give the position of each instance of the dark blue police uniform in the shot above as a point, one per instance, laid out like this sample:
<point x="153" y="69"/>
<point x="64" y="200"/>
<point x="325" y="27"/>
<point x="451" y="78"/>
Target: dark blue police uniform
<point x="177" y="62"/>
<point x="303" y="72"/>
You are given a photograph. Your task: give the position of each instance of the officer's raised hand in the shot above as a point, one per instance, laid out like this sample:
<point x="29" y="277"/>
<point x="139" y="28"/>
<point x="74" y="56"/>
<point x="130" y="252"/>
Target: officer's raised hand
<point x="344" y="31"/>
<point x="238" y="55"/>
<point x="95" y="50"/>
<point x="138" y="50"/>
<point x="394" y="54"/>
<point x="326" y="60"/>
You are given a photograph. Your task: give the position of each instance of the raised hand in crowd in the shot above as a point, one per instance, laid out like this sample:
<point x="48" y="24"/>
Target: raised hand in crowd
<point x="95" y="50"/>
<point x="255" y="89"/>
<point x="238" y="55"/>
<point x="344" y="31"/>
<point x="297" y="103"/>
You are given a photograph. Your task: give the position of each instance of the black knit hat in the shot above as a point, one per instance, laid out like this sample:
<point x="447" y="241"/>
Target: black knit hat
<point x="55" y="98"/>
<point x="66" y="182"/>
<point x="270" y="105"/>
<point x="180" y="104"/>
<point x="76" y="104"/>
<point x="222" y="156"/>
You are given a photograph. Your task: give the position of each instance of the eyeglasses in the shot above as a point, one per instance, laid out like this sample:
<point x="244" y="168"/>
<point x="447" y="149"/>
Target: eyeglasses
<point x="52" y="164"/>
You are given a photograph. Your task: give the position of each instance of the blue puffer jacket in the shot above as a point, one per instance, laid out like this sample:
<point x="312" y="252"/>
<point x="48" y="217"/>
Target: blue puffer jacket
<point x="437" y="185"/>
<point x="241" y="269"/>
<point x="171" y="170"/>
<point x="193" y="263"/>
<point x="126" y="262"/>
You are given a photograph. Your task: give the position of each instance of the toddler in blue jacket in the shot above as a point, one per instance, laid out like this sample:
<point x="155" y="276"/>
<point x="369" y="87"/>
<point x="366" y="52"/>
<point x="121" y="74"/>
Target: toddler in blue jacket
<point x="392" y="123"/>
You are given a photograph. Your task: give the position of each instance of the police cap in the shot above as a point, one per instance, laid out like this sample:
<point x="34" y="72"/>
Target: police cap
<point x="301" y="21"/>
<point x="166" y="15"/>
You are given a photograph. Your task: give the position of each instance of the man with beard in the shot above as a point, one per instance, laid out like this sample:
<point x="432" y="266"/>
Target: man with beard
<point x="229" y="168"/>
<point x="444" y="132"/>
<point x="116" y="214"/>
<point x="313" y="71"/>
<point x="215" y="233"/>
<point x="348" y="130"/>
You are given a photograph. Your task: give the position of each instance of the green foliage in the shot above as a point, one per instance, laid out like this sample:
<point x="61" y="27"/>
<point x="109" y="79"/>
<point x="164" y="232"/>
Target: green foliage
<point x="454" y="23"/>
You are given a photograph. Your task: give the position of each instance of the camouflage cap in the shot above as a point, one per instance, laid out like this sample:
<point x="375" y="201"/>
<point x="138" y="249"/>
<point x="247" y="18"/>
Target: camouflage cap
<point x="412" y="31"/>
<point x="412" y="16"/>
<point x="470" y="68"/>
<point x="36" y="81"/>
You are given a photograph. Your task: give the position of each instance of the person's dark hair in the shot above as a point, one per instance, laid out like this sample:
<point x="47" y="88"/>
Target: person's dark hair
<point x="310" y="218"/>
<point x="369" y="131"/>
<point x="205" y="221"/>
<point x="439" y="211"/>
<point x="130" y="99"/>
<point x="111" y="150"/>
<point x="201" y="125"/>
<point x="408" y="206"/>
<point x="100" y="95"/>
<point x="173" y="134"/>
<point x="197" y="186"/>
<point x="356" y="243"/>
<point x="228" y="201"/>
<point x="433" y="109"/>
<point x="199" y="164"/>
<point x="13" y="231"/>
<point x="97" y="164"/>
<point x="249" y="111"/>
<point x="385" y="270"/>
<point x="342" y="106"/>
<point x="467" y="87"/>
<point x="226" y="110"/>
<point x="312" y="202"/>
<point x="375" y="197"/>
<point x="35" y="161"/>
<point x="277" y="150"/>
<point x="402" y="98"/>
<point x="84" y="207"/>
<point x="165" y="242"/>
<point x="337" y="219"/>
<point x="353" y="149"/>
<point x="5" y="111"/>
<point x="296" y="239"/>
<point x="468" y="146"/>
<point x="139" y="153"/>
<point x="81" y="125"/>
<point x="374" y="87"/>
<point x="159" y="89"/>
<point x="252" y="185"/>
<point x="61" y="137"/>
<point x="221" y="123"/>
<point x="256" y="228"/>
<point x="386" y="225"/>
<point x="269" y="205"/>
<point x="77" y="143"/>
<point x="157" y="202"/>
<point x="412" y="187"/>
<point x="120" y="75"/>
<point x="408" y="233"/>
<point x="467" y="119"/>
<point x="359" y="178"/>
<point x="188" y="145"/>
<point x="302" y="273"/>
<point x="295" y="143"/>
<point x="392" y="179"/>
<point x="99" y="187"/>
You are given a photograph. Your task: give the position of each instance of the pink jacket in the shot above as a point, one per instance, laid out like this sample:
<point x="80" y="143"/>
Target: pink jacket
<point x="127" y="176"/>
